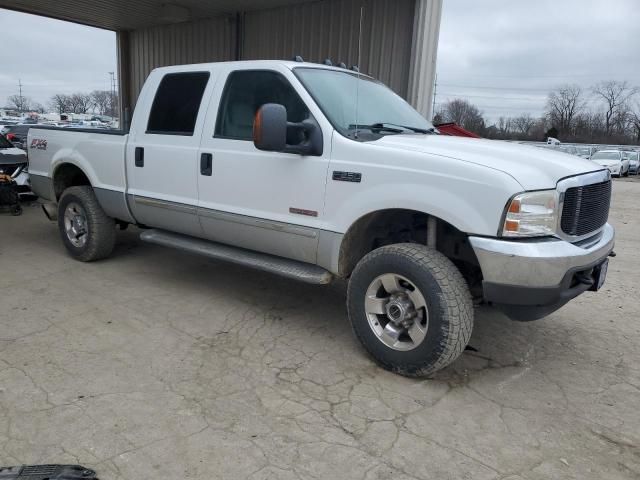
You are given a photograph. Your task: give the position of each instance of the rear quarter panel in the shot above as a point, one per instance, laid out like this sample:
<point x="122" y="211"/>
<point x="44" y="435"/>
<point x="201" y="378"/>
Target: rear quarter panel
<point x="100" y="156"/>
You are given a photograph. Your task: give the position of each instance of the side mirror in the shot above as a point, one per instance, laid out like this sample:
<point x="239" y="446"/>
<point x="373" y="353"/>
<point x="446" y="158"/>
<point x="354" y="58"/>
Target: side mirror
<point x="271" y="130"/>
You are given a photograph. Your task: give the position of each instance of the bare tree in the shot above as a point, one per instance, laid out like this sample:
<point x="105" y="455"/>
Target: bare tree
<point x="563" y="104"/>
<point x="114" y="105"/>
<point x="38" y="107"/>
<point x="634" y="122"/>
<point x="465" y="114"/>
<point x="80" y="102"/>
<point x="101" y="101"/>
<point x="505" y="125"/>
<point x="524" y="124"/>
<point x="616" y="96"/>
<point x="19" y="102"/>
<point x="60" y="103"/>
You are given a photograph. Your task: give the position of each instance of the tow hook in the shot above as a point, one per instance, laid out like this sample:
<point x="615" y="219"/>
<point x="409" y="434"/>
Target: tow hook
<point x="51" y="211"/>
<point x="613" y="254"/>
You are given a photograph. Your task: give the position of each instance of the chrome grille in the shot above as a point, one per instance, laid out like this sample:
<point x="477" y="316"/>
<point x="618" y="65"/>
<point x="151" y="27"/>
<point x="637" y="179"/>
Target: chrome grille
<point x="585" y="208"/>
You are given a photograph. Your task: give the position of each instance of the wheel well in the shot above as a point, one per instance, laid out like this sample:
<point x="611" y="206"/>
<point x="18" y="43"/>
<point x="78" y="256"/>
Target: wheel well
<point x="386" y="227"/>
<point x="68" y="175"/>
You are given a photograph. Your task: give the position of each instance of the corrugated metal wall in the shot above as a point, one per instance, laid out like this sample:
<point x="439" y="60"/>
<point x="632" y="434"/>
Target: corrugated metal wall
<point x="329" y="29"/>
<point x="316" y="30"/>
<point x="210" y="40"/>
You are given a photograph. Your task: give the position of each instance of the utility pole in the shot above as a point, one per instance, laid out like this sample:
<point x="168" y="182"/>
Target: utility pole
<point x="21" y="106"/>
<point x="113" y="93"/>
<point x="435" y="93"/>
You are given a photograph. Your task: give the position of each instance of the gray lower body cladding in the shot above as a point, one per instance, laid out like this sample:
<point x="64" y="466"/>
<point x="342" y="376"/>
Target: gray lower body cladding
<point x="285" y="267"/>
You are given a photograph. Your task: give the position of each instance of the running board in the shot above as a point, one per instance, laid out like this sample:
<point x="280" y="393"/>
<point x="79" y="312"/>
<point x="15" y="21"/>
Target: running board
<point x="284" y="267"/>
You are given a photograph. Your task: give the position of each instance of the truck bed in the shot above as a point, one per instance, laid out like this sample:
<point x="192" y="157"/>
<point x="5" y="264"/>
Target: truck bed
<point x="100" y="154"/>
<point x="103" y="131"/>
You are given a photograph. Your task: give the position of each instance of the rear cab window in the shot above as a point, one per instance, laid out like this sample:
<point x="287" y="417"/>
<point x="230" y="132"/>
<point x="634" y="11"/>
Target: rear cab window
<point x="176" y="104"/>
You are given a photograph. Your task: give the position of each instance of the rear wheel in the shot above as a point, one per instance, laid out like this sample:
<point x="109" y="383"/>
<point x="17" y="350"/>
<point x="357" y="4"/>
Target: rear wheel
<point x="87" y="232"/>
<point x="410" y="308"/>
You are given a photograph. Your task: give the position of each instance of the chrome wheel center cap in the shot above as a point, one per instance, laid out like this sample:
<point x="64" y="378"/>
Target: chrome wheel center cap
<point x="400" y="309"/>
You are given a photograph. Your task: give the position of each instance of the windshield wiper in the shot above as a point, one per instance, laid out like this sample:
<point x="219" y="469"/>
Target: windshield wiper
<point x="376" y="127"/>
<point x="391" y="127"/>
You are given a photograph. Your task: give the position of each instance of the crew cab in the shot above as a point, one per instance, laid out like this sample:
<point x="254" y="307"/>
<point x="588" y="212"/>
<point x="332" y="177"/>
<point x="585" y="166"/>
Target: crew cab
<point x="317" y="173"/>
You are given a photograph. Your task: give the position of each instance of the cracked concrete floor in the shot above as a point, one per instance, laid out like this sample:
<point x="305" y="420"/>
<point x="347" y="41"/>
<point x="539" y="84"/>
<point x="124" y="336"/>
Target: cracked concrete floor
<point x="155" y="363"/>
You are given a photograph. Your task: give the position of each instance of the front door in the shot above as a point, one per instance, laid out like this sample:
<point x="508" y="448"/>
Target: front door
<point x="162" y="153"/>
<point x="266" y="201"/>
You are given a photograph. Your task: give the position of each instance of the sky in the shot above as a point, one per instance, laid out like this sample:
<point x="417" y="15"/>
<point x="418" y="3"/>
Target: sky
<point x="502" y="55"/>
<point x="50" y="56"/>
<point x="505" y="55"/>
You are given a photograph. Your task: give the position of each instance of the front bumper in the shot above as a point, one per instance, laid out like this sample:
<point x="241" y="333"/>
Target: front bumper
<point x="532" y="278"/>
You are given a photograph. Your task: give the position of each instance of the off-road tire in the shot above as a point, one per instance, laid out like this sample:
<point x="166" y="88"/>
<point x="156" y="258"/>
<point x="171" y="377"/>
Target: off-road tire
<point x="101" y="228"/>
<point x="449" y="303"/>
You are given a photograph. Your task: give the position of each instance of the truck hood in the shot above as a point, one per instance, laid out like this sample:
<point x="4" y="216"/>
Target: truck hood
<point x="534" y="168"/>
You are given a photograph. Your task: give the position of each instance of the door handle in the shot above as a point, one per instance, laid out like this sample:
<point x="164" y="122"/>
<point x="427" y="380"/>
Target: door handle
<point x="139" y="157"/>
<point x="206" y="164"/>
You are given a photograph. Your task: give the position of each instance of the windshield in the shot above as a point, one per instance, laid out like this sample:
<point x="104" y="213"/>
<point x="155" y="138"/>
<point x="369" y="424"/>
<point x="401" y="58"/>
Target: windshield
<point x="4" y="143"/>
<point x="606" y="156"/>
<point x="378" y="106"/>
<point x="633" y="156"/>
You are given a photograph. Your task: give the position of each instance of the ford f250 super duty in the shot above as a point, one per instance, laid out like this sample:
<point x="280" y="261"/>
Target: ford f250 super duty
<point x="315" y="173"/>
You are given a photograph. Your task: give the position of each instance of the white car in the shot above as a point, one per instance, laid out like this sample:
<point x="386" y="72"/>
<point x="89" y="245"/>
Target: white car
<point x="585" y="152"/>
<point x="280" y="166"/>
<point x="634" y="162"/>
<point x="614" y="160"/>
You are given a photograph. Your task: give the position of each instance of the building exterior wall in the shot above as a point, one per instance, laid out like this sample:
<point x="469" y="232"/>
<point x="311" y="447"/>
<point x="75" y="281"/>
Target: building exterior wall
<point x="210" y="40"/>
<point x="330" y="29"/>
<point x="398" y="44"/>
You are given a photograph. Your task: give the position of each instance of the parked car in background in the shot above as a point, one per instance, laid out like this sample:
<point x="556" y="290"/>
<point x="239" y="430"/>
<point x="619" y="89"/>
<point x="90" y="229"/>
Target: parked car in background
<point x="585" y="151"/>
<point x="614" y="161"/>
<point x="634" y="162"/>
<point x="13" y="162"/>
<point x="570" y="149"/>
<point x="17" y="134"/>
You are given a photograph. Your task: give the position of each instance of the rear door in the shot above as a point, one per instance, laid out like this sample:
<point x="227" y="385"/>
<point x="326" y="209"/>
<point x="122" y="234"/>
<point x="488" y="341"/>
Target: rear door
<point x="162" y="152"/>
<point x="271" y="202"/>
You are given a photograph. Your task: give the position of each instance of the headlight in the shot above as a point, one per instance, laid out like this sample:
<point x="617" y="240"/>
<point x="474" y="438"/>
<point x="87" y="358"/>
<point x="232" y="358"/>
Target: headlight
<point x="532" y="214"/>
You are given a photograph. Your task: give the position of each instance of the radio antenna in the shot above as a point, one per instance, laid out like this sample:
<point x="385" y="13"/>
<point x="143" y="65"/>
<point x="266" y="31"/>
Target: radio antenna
<point x="358" y="73"/>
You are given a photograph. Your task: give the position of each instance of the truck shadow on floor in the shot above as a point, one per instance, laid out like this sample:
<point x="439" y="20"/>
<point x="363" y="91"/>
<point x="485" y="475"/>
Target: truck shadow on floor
<point x="497" y="342"/>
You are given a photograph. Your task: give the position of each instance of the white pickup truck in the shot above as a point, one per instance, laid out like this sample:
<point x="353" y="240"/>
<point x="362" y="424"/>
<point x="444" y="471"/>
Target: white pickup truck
<point x="316" y="173"/>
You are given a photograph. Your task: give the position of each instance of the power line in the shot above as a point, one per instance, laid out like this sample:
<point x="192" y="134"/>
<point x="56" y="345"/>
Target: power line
<point x="569" y="75"/>
<point x="496" y="97"/>
<point x="524" y="89"/>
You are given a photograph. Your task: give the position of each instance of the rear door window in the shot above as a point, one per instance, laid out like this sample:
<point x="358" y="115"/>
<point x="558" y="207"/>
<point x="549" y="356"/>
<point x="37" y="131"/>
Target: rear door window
<point x="177" y="103"/>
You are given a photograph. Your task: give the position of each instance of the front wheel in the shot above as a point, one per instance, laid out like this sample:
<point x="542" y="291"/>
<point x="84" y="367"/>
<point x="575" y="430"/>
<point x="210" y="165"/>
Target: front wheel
<point x="87" y="232"/>
<point x="410" y="308"/>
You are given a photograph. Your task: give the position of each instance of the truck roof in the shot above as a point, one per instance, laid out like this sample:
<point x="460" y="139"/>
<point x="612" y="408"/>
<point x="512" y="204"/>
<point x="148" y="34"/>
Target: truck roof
<point x="256" y="63"/>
